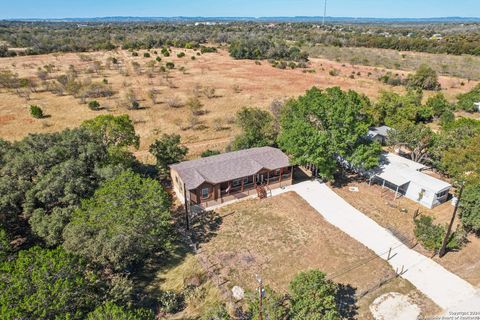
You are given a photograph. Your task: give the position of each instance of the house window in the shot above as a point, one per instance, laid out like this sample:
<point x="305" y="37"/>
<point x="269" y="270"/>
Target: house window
<point x="442" y="194"/>
<point x="277" y="172"/>
<point x="205" y="193"/>
<point x="245" y="180"/>
<point x="236" y="182"/>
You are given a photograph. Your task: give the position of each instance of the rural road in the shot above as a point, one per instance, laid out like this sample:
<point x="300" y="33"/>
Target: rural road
<point x="446" y="289"/>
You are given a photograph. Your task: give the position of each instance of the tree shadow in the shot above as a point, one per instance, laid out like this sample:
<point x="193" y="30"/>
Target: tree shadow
<point x="346" y="301"/>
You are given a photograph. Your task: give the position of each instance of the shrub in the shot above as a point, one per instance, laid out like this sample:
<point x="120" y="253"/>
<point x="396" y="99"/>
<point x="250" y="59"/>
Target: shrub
<point x="334" y="72"/>
<point x="193" y="58"/>
<point x="36" y="112"/>
<point x="208" y="49"/>
<point x="425" y="78"/>
<point x="171" y="302"/>
<point x="209" y="153"/>
<point x="94" y="105"/>
<point x="134" y="54"/>
<point x="195" y="105"/>
<point x="165" y="52"/>
<point x="431" y="235"/>
<point x="146" y="55"/>
<point x="135" y="105"/>
<point x="467" y="100"/>
<point x="97" y="90"/>
<point x="174" y="102"/>
<point x="181" y="54"/>
<point x="170" y="65"/>
<point x="158" y="59"/>
<point x="216" y="312"/>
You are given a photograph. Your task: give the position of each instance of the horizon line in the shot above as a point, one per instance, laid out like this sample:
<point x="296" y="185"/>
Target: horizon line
<point x="240" y="17"/>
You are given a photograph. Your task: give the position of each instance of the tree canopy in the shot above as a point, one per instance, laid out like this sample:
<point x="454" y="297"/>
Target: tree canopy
<point x="126" y="220"/>
<point x="418" y="138"/>
<point x="258" y="129"/>
<point x="46" y="284"/>
<point x="424" y="78"/>
<point x="168" y="150"/>
<point x="43" y="173"/>
<point x="322" y="126"/>
<point x="114" y="131"/>
<point x="313" y="297"/>
<point x="466" y="101"/>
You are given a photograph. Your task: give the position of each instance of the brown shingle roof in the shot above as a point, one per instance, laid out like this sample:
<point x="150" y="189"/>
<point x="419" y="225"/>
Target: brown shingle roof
<point x="229" y="166"/>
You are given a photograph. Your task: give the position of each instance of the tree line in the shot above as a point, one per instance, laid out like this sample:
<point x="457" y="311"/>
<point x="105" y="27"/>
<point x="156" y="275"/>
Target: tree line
<point x="46" y="37"/>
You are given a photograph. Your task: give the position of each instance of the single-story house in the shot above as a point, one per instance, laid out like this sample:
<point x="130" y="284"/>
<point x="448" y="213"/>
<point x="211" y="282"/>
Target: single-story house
<point x="406" y="178"/>
<point x="379" y="134"/>
<point x="214" y="180"/>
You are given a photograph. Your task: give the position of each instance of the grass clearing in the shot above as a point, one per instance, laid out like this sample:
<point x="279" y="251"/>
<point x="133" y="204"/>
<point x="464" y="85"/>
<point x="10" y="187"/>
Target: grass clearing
<point x="281" y="236"/>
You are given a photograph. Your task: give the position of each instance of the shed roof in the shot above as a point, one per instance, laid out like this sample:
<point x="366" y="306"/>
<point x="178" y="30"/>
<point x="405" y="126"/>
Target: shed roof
<point x="400" y="171"/>
<point x="230" y="166"/>
<point x="382" y="131"/>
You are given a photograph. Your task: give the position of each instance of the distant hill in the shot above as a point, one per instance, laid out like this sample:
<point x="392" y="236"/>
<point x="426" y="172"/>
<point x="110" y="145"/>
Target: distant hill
<point x="314" y="19"/>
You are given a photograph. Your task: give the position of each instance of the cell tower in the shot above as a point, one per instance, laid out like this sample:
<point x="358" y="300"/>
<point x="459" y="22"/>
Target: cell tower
<point x="324" y="12"/>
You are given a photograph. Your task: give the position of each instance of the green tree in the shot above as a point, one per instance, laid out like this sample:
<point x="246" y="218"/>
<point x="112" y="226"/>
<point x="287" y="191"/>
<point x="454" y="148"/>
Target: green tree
<point x="323" y="126"/>
<point x="46" y="284"/>
<point x="168" y="150"/>
<point x="470" y="204"/>
<point x="424" y="78"/>
<point x="466" y="101"/>
<point x="313" y="297"/>
<point x="46" y="172"/>
<point x="394" y="109"/>
<point x="125" y="221"/>
<point x="111" y="311"/>
<point x="438" y="104"/>
<point x="274" y="306"/>
<point x="417" y="138"/>
<point x="258" y="129"/>
<point x="431" y="235"/>
<point x="115" y="131"/>
<point x="36" y="112"/>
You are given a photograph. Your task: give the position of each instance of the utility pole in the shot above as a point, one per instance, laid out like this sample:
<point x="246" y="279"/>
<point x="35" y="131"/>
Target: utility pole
<point x="260" y="297"/>
<point x="324" y="12"/>
<point x="187" y="222"/>
<point x="443" y="249"/>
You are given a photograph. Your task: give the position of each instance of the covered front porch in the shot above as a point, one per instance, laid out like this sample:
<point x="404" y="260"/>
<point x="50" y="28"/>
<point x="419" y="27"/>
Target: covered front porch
<point x="211" y="195"/>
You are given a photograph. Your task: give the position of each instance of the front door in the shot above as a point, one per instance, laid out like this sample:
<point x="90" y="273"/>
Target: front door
<point x="260" y="178"/>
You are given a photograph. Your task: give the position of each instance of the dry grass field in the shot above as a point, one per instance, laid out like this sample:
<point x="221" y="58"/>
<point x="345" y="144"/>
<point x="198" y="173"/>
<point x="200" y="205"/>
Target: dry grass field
<point x="237" y="83"/>
<point x="397" y="216"/>
<point x="281" y="236"/>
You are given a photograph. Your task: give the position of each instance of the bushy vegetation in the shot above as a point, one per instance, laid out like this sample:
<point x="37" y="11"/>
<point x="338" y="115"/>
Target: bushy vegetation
<point x="324" y="127"/>
<point x="36" y="112"/>
<point x="467" y="100"/>
<point x="431" y="235"/>
<point x="258" y="129"/>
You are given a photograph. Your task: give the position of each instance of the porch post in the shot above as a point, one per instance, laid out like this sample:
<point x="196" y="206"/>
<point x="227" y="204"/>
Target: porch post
<point x="268" y="177"/>
<point x="396" y="192"/>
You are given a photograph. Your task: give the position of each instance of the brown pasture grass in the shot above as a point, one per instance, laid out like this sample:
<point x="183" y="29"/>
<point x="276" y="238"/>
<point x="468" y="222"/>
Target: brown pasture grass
<point x="281" y="236"/>
<point x="237" y="83"/>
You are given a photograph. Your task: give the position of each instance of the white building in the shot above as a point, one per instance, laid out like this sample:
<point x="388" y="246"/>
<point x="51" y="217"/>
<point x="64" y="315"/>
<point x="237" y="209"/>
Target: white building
<point x="477" y="104"/>
<point x="379" y="134"/>
<point x="404" y="176"/>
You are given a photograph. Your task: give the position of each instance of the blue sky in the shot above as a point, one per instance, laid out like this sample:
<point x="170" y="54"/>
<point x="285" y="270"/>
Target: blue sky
<point x="209" y="8"/>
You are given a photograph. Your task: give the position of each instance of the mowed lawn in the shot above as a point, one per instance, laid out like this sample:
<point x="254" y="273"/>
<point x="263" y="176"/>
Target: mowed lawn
<point x="281" y="236"/>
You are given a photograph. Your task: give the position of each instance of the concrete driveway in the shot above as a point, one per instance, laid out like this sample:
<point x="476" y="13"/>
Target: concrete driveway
<point x="446" y="289"/>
